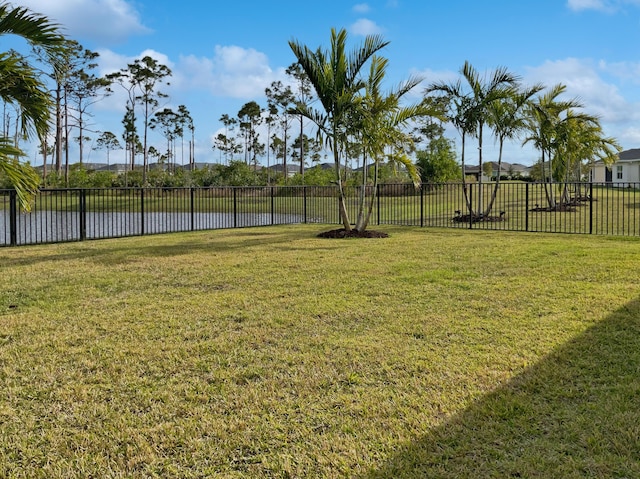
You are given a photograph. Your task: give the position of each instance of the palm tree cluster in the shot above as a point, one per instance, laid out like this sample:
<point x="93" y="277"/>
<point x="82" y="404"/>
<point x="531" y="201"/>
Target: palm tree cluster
<point x="568" y="140"/>
<point x="355" y="113"/>
<point x="565" y="137"/>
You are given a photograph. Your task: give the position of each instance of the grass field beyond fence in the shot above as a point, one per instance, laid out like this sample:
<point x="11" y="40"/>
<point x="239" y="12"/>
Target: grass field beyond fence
<point x="268" y="352"/>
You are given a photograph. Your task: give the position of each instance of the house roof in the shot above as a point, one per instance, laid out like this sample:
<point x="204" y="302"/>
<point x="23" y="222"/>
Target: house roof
<point x="280" y="167"/>
<point x="630" y="155"/>
<point x="520" y="167"/>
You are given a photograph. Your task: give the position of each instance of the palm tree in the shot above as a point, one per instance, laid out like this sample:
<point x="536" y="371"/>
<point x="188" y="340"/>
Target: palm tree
<point x="472" y="107"/>
<point x="545" y="115"/>
<point x="580" y="138"/>
<point x="21" y="86"/>
<point x="484" y="94"/>
<point x="380" y="119"/>
<point x="507" y="119"/>
<point x="460" y="114"/>
<point x="335" y="76"/>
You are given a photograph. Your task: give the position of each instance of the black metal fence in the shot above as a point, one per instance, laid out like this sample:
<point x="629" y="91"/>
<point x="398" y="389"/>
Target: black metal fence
<point x="62" y="215"/>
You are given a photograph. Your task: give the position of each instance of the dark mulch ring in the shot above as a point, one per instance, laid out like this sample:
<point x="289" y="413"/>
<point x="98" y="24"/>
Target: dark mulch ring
<point x="477" y="218"/>
<point x="342" y="233"/>
<point x="564" y="207"/>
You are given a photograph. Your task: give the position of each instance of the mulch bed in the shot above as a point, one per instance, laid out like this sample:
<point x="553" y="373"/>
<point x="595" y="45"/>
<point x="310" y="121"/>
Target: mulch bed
<point x="342" y="233"/>
<point x="477" y="218"/>
<point x="569" y="208"/>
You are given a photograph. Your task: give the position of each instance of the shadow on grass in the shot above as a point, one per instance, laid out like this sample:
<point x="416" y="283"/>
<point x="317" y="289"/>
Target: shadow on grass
<point x="574" y="414"/>
<point x="117" y="250"/>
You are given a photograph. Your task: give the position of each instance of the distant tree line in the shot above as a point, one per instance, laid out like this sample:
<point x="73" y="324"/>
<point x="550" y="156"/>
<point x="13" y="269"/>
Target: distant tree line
<point x="236" y="173"/>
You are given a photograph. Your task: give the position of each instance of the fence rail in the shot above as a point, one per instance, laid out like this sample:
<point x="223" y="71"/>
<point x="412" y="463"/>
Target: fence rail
<point x="61" y="215"/>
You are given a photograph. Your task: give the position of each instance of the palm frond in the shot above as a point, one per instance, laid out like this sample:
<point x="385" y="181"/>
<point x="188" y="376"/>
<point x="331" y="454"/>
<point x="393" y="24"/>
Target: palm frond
<point x="22" y="176"/>
<point x="36" y="29"/>
<point x="20" y="86"/>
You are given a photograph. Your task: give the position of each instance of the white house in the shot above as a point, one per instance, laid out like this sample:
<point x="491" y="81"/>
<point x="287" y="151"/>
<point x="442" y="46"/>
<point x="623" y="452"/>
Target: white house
<point x="624" y="171"/>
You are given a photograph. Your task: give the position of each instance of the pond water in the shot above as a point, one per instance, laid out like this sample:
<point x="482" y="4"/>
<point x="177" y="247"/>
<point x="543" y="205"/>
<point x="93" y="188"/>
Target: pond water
<point x="60" y="226"/>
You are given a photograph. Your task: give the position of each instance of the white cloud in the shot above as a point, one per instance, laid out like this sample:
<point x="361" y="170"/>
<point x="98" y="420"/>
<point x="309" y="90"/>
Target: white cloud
<point x="365" y="27"/>
<point x="584" y="81"/>
<point x="361" y="8"/>
<point x="578" y="5"/>
<point x="110" y="61"/>
<point x="608" y="6"/>
<point x="232" y="71"/>
<point x="432" y="76"/>
<point x="98" y="20"/>
<point x="628" y="72"/>
<point x="630" y="137"/>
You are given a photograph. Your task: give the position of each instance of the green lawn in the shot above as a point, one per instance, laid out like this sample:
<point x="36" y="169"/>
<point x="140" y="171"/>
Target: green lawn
<point x="268" y="352"/>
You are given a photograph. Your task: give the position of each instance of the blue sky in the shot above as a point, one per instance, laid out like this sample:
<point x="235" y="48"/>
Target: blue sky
<point x="224" y="54"/>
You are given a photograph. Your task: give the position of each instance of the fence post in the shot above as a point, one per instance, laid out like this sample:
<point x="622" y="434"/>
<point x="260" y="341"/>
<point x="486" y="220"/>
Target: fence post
<point x="13" y="218"/>
<point x="421" y="205"/>
<point x="235" y="207"/>
<point x="192" y="193"/>
<point x="378" y="202"/>
<point x="526" y="208"/>
<point x="83" y="214"/>
<point x="142" y="211"/>
<point x="591" y="207"/>
<point x="273" y="206"/>
<point x="471" y="208"/>
<point x="304" y="194"/>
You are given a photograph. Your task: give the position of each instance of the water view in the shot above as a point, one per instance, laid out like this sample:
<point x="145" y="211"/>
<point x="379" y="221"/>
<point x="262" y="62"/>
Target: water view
<point x="59" y="226"/>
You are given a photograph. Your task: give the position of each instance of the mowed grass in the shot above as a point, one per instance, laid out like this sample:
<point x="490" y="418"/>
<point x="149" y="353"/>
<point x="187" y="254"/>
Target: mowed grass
<point x="269" y="352"/>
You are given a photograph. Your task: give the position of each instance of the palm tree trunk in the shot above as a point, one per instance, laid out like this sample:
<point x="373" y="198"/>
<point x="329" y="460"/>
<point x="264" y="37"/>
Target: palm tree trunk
<point x="480" y="173"/>
<point x="66" y="141"/>
<point x="58" y="140"/>
<point x="302" y="146"/>
<point x="465" y="191"/>
<point x="363" y="194"/>
<point x="487" y="212"/>
<point x="552" y="199"/>
<point x="545" y="180"/>
<point x="374" y="195"/>
<point x="342" y="207"/>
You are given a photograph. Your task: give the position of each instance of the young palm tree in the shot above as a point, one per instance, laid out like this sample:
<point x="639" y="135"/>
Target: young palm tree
<point x="20" y="86"/>
<point x="475" y="106"/>
<point x="580" y="138"/>
<point x="545" y="116"/>
<point x="335" y="76"/>
<point x="460" y="114"/>
<point x="381" y="119"/>
<point x="507" y="119"/>
<point x="484" y="93"/>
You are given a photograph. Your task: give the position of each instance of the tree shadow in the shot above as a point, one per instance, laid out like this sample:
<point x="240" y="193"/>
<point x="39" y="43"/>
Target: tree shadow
<point x="168" y="245"/>
<point x="576" y="414"/>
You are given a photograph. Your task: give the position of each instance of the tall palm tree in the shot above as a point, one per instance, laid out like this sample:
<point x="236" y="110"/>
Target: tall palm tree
<point x="507" y="119"/>
<point x="20" y="86"/>
<point x="460" y="114"/>
<point x="580" y="138"/>
<point x="484" y="93"/>
<point x="381" y="118"/>
<point x="335" y="76"/>
<point x="546" y="114"/>
<point x="474" y="106"/>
